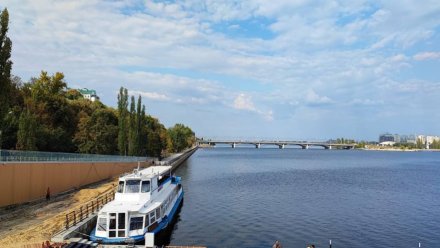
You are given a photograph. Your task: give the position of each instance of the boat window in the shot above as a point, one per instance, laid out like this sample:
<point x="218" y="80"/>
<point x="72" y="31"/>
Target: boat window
<point x="157" y="212"/>
<point x="163" y="178"/>
<point x="136" y="223"/>
<point x="145" y="186"/>
<point x="147" y="223"/>
<point x="152" y="217"/>
<point x="121" y="221"/>
<point x="121" y="187"/>
<point x="102" y="224"/>
<point x="112" y="221"/>
<point x="132" y="186"/>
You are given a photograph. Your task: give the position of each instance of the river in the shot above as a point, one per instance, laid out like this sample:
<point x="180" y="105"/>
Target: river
<point x="247" y="197"/>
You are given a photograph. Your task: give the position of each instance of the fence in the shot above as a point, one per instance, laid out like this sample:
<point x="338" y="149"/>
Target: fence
<point x="84" y="211"/>
<point x="35" y="156"/>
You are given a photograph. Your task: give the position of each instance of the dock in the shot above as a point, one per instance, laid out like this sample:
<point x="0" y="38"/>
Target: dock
<point x="81" y="220"/>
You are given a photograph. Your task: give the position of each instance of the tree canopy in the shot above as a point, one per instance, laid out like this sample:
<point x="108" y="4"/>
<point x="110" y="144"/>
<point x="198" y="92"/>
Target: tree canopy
<point x="44" y="114"/>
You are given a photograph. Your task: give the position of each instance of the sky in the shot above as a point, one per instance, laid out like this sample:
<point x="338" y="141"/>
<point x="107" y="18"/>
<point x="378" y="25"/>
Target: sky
<point x="251" y="69"/>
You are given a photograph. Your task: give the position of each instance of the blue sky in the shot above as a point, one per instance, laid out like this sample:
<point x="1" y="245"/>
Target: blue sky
<point x="251" y="69"/>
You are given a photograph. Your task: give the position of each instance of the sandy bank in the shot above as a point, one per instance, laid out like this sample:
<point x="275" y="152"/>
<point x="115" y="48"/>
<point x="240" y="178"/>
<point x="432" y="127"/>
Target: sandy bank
<point x="35" y="222"/>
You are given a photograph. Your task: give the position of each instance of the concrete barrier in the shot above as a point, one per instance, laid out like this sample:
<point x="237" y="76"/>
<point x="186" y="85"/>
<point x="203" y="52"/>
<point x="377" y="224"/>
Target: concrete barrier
<point x="28" y="181"/>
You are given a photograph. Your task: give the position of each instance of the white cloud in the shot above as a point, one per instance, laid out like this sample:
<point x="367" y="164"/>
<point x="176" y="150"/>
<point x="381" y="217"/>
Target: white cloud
<point x="150" y="95"/>
<point x="399" y="58"/>
<point x="313" y="98"/>
<point x="366" y="102"/>
<point x="244" y="102"/>
<point x="427" y="56"/>
<point x="342" y="49"/>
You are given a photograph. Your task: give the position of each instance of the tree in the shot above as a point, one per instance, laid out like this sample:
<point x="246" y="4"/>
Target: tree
<point x="5" y="66"/>
<point x="73" y="94"/>
<point x="182" y="137"/>
<point x="26" y="135"/>
<point x="132" y="128"/>
<point x="122" y="121"/>
<point x="157" y="138"/>
<point x="138" y="133"/>
<point x="420" y="144"/>
<point x="48" y="102"/>
<point x="143" y="133"/>
<point x="98" y="133"/>
<point x="435" y="144"/>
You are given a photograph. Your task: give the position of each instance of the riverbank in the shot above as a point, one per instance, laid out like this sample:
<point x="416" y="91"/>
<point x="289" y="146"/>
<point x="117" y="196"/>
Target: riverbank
<point x="396" y="149"/>
<point x="35" y="222"/>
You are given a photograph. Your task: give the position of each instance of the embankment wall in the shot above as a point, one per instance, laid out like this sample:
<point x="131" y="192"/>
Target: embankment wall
<point x="24" y="182"/>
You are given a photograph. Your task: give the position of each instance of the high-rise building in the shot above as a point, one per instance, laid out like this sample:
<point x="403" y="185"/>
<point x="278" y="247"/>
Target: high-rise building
<point x="389" y="137"/>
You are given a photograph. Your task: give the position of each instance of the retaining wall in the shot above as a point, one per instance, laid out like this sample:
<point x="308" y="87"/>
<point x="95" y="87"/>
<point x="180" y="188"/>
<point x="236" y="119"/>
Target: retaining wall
<point x="24" y="182"/>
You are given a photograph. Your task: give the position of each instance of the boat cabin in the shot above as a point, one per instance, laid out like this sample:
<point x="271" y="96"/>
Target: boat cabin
<point x="142" y="199"/>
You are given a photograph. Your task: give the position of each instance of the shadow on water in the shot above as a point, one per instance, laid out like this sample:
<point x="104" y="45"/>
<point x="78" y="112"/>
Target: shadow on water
<point x="164" y="236"/>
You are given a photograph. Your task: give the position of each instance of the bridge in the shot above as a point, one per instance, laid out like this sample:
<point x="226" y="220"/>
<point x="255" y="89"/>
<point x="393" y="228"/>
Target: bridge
<point x="279" y="144"/>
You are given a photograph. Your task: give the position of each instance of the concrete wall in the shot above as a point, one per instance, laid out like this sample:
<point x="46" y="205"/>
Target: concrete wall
<point x="24" y="182"/>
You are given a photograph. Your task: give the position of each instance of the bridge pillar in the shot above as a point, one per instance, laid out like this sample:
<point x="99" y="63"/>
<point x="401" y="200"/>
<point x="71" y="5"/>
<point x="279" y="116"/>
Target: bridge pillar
<point x="233" y="145"/>
<point x="329" y="147"/>
<point x="281" y="146"/>
<point x="305" y="147"/>
<point x="257" y="145"/>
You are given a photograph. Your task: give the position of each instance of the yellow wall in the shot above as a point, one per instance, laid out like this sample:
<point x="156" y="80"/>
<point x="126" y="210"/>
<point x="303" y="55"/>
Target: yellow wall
<point x="23" y="182"/>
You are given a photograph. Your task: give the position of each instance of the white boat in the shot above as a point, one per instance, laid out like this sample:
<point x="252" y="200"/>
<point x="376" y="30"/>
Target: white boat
<point x="145" y="201"/>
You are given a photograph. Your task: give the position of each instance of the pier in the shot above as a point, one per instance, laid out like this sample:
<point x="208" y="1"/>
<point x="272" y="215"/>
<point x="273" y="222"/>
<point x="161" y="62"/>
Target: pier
<point x="278" y="143"/>
<point x="81" y="220"/>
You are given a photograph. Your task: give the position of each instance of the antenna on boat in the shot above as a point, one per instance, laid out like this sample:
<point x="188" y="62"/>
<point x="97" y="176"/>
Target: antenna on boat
<point x="139" y="164"/>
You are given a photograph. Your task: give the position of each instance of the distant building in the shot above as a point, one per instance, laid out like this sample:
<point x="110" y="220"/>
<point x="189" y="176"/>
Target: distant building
<point x="89" y="94"/>
<point x="411" y="139"/>
<point x="421" y="139"/>
<point x="387" y="143"/>
<point x="430" y="140"/>
<point x="389" y="137"/>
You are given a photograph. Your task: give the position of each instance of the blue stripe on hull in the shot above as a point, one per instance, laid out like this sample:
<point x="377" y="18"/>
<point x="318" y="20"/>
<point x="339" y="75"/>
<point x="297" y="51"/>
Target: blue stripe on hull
<point x="162" y="225"/>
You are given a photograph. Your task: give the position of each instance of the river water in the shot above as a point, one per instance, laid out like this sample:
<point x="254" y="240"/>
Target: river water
<point x="247" y="197"/>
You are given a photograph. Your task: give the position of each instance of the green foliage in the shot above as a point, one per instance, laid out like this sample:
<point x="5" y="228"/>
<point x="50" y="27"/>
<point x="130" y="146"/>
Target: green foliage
<point x="420" y="144"/>
<point x="97" y="133"/>
<point x="360" y="145"/>
<point x="5" y="67"/>
<point x="43" y="114"/>
<point x="54" y="114"/>
<point x="182" y="137"/>
<point x="435" y="144"/>
<point x="73" y="94"/>
<point x="122" y="121"/>
<point x="158" y="141"/>
<point x="345" y="141"/>
<point x="26" y="134"/>
<point x="132" y="128"/>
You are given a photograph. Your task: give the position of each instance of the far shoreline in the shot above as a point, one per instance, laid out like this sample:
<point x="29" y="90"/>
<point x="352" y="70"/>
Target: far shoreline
<point x="398" y="150"/>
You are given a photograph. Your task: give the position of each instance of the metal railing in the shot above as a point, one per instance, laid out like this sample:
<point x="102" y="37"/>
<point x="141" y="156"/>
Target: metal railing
<point x="84" y="211"/>
<point x="36" y="156"/>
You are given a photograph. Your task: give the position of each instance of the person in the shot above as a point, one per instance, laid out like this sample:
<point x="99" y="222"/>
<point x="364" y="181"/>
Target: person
<point x="48" y="194"/>
<point x="277" y="244"/>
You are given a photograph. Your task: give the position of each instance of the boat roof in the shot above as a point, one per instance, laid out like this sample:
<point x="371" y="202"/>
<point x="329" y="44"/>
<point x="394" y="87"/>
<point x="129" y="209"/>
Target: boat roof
<point x="147" y="173"/>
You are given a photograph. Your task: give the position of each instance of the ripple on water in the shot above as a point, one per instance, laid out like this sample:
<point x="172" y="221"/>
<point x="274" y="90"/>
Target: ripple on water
<point x="250" y="198"/>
